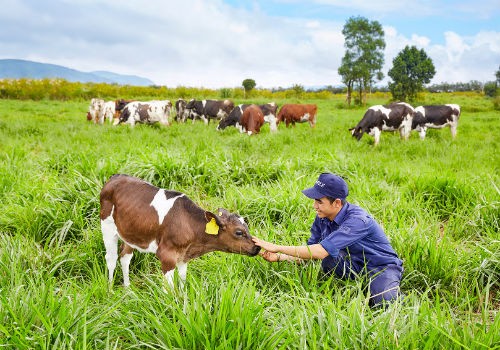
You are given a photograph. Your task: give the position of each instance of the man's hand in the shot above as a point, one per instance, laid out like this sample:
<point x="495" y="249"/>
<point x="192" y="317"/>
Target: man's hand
<point x="271" y="247"/>
<point x="270" y="256"/>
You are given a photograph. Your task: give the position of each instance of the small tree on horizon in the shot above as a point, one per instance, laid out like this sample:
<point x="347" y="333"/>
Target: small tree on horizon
<point x="411" y="69"/>
<point x="248" y="85"/>
<point x="364" y="56"/>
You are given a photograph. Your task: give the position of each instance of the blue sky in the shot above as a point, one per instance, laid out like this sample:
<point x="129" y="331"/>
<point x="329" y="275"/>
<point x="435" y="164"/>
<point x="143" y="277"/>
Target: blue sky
<point x="219" y="43"/>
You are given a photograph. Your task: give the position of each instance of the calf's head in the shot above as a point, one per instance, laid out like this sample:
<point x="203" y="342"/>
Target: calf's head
<point x="232" y="233"/>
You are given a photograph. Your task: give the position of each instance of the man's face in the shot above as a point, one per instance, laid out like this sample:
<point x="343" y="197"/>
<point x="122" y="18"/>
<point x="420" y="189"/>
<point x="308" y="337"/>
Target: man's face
<point x="325" y="209"/>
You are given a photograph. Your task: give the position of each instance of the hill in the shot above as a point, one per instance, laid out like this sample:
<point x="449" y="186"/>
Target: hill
<point x="17" y="69"/>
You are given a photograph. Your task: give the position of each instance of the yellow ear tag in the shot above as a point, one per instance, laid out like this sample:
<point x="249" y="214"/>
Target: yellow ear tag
<point x="212" y="228"/>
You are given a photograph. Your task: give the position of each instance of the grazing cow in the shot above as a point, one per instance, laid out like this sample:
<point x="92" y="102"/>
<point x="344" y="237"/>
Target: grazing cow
<point x="119" y="105"/>
<point x="107" y="112"/>
<point x="395" y="116"/>
<point x="298" y="113"/>
<point x="167" y="223"/>
<point x="234" y="118"/>
<point x="252" y="119"/>
<point x="181" y="114"/>
<point x="436" y="117"/>
<point x="146" y="112"/>
<point x="209" y="109"/>
<point x="95" y="109"/>
<point x="89" y="116"/>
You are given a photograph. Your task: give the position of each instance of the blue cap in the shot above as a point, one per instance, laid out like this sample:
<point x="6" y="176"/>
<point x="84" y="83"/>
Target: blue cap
<point x="328" y="185"/>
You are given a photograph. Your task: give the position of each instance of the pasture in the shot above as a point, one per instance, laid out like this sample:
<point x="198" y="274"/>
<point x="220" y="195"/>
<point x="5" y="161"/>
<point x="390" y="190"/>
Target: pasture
<point x="438" y="201"/>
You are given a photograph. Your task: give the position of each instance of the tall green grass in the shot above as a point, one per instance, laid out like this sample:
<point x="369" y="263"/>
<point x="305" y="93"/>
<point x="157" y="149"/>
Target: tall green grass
<point x="438" y="201"/>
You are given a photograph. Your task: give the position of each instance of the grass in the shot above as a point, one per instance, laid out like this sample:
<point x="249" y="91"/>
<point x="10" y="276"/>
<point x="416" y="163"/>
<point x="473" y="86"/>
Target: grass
<point x="438" y="201"/>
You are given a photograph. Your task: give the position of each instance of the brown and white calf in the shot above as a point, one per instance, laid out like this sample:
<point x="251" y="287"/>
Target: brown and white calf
<point x="167" y="223"/>
<point x="145" y="112"/>
<point x="436" y="117"/>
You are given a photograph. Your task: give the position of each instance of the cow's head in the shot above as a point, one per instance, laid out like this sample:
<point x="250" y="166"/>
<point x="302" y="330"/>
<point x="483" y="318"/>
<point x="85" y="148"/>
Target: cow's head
<point x="232" y="233"/>
<point x="357" y="132"/>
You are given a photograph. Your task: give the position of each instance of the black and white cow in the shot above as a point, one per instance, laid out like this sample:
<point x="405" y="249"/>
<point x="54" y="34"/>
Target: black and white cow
<point x="145" y="112"/>
<point x="234" y="118"/>
<point x="395" y="116"/>
<point x="209" y="109"/>
<point x="436" y="117"/>
<point x="181" y="114"/>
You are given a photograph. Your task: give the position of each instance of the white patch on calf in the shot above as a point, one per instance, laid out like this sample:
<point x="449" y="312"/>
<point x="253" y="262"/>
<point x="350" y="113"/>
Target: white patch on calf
<point x="304" y="118"/>
<point x="162" y="204"/>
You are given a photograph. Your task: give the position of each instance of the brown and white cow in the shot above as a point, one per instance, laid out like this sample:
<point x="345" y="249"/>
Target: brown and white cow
<point x="392" y="117"/>
<point x="234" y="118"/>
<point x="167" y="223"/>
<point x="95" y="109"/>
<point x="252" y="119"/>
<point x="209" y="109"/>
<point x="436" y="117"/>
<point x="108" y="112"/>
<point x="146" y="112"/>
<point x="119" y="105"/>
<point x="297" y="113"/>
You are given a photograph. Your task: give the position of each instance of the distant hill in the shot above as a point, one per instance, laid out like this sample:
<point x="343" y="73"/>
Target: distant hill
<point x="17" y="69"/>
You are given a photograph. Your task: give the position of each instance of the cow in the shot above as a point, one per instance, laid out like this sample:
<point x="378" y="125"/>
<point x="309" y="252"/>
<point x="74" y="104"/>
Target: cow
<point x="119" y="105"/>
<point x="95" y="109"/>
<point x="252" y="119"/>
<point x="145" y="112"/>
<point x="297" y="113"/>
<point x="395" y="116"/>
<point x="209" y="109"/>
<point x="181" y="114"/>
<point x="167" y="223"/>
<point x="234" y="118"/>
<point x="436" y="117"/>
<point x="107" y="112"/>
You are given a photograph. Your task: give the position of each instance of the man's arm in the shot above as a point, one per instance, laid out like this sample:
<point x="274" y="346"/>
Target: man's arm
<point x="305" y="252"/>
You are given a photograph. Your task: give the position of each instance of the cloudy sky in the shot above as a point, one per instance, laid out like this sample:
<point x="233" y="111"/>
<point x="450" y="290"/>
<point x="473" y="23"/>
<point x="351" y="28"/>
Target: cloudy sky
<point x="219" y="43"/>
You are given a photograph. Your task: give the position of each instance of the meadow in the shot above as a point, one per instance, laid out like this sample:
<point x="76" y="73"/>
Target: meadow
<point x="438" y="201"/>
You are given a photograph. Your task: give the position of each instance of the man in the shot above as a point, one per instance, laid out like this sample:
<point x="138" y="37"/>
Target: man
<point x="347" y="239"/>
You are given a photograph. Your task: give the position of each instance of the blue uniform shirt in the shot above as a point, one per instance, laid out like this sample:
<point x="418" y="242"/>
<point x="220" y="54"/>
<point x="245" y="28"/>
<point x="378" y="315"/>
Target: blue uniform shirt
<point x="354" y="234"/>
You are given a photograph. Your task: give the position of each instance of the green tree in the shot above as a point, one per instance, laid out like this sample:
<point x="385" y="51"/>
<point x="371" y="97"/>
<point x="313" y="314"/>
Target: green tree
<point x="411" y="69"/>
<point x="497" y="74"/>
<point x="364" y="56"/>
<point x="248" y="85"/>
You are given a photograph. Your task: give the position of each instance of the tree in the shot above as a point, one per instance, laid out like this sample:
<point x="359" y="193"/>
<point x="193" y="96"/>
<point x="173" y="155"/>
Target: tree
<point x="497" y="74"/>
<point x="364" y="56"/>
<point x="248" y="85"/>
<point x="411" y="69"/>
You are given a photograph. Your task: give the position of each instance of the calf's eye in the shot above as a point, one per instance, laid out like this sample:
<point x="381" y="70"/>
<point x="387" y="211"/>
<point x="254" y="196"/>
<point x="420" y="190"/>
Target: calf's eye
<point x="240" y="233"/>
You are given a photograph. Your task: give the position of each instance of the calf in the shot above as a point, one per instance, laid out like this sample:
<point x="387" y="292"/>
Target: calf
<point x="297" y="113"/>
<point x="209" y="109"/>
<point x="146" y="112"/>
<point x="167" y="223"/>
<point x="252" y="119"/>
<point x="395" y="116"/>
<point x="436" y="117"/>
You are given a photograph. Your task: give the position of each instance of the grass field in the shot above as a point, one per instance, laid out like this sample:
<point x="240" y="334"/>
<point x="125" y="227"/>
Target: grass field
<point x="438" y="201"/>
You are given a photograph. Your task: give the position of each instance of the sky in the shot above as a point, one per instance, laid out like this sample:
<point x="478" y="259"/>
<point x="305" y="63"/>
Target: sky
<point x="219" y="43"/>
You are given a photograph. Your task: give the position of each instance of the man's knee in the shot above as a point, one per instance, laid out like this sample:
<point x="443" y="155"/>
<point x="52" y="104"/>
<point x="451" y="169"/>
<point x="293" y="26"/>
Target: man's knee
<point x="384" y="287"/>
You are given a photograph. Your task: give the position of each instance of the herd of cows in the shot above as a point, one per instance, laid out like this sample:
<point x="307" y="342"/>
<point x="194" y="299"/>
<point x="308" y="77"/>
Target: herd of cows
<point x="249" y="118"/>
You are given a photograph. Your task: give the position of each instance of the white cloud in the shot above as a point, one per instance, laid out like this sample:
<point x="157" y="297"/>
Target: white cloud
<point x="211" y="44"/>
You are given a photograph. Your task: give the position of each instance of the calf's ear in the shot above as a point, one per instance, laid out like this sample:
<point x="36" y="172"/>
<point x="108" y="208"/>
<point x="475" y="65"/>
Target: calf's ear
<point x="220" y="217"/>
